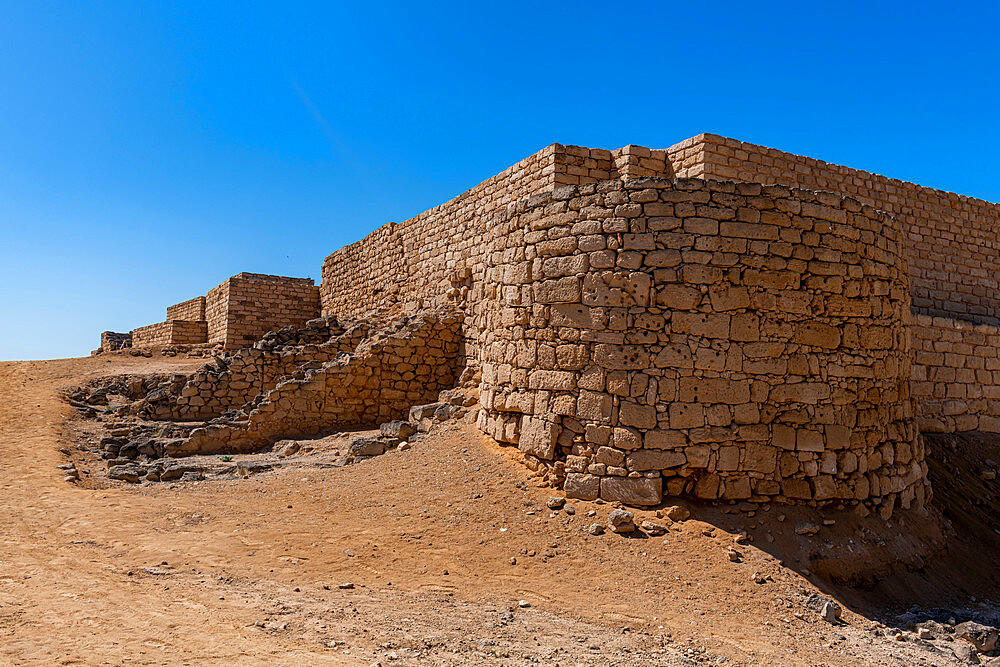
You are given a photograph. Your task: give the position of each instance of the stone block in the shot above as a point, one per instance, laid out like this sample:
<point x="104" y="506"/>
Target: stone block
<point x="582" y="486"/>
<point x="639" y="491"/>
<point x="654" y="459"/>
<point x="538" y="437"/>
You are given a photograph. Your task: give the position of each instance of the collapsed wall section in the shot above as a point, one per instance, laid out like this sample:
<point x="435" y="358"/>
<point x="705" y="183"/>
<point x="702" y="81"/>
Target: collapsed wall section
<point x="112" y="341"/>
<point x="726" y="340"/>
<point x="406" y="364"/>
<point x="951" y="242"/>
<point x="231" y="382"/>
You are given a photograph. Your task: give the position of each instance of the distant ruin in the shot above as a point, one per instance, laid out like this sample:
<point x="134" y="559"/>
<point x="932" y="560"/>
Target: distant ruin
<point x="714" y="319"/>
<point x="231" y="316"/>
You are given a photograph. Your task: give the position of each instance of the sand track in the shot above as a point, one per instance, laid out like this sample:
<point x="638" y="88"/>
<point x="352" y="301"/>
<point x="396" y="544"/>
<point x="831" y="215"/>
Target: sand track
<point x="248" y="571"/>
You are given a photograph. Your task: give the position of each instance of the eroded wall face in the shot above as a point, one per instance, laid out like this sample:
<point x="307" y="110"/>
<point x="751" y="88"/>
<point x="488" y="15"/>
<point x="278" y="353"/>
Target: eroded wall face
<point x="722" y="339"/>
<point x="951" y="242"/>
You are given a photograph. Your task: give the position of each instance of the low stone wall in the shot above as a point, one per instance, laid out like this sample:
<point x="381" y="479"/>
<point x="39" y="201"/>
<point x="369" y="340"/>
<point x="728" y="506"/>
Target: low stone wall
<point x="174" y="332"/>
<point x="956" y="375"/>
<point x="722" y="339"/>
<point x="233" y="381"/>
<point x="192" y="310"/>
<point x="405" y="365"/>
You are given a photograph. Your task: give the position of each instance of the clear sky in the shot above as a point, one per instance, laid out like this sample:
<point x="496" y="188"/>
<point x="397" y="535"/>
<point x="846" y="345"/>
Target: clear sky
<point x="150" y="150"/>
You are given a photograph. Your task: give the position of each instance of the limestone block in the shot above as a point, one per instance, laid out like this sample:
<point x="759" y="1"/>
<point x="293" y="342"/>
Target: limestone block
<point x="641" y="491"/>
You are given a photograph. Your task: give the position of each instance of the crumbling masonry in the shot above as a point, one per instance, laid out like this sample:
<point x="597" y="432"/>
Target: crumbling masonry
<point x="714" y="319"/>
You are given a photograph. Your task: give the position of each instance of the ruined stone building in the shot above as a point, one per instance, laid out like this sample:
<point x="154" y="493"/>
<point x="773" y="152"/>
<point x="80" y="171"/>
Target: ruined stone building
<point x="715" y="319"/>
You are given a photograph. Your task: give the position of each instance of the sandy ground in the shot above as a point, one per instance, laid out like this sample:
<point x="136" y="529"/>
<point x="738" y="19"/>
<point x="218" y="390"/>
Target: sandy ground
<point x="441" y="543"/>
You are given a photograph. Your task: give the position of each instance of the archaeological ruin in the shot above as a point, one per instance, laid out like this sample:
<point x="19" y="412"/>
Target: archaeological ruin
<point x="715" y="319"/>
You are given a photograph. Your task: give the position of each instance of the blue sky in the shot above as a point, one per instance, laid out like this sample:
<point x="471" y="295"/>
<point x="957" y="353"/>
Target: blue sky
<point x="150" y="150"/>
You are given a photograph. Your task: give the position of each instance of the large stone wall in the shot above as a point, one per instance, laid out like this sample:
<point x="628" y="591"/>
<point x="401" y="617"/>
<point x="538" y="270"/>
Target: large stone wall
<point x="418" y="263"/>
<point x="245" y="307"/>
<point x="723" y="339"/>
<point x="952" y="247"/>
<point x="956" y="375"/>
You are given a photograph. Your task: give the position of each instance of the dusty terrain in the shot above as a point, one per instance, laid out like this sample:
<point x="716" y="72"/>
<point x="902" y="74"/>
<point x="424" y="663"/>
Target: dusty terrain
<point x="442" y="554"/>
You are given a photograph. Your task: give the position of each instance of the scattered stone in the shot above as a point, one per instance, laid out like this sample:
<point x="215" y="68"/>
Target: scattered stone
<point x="831" y="611"/>
<point x="366" y="447"/>
<point x="127" y="473"/>
<point x="734" y="555"/>
<point x="621" y="521"/>
<point x="983" y="637"/>
<point x="346" y="586"/>
<point x="555" y="502"/>
<point x="596" y="529"/>
<point x="933" y="629"/>
<point x="570" y="510"/>
<point x="653" y="529"/>
<point x="758" y="578"/>
<point x="965" y="654"/>
<point x="806" y="528"/>
<point x="678" y="513"/>
<point x="523" y="604"/>
<point x="397" y="429"/>
<point x="418" y="412"/>
<point x="287" y="448"/>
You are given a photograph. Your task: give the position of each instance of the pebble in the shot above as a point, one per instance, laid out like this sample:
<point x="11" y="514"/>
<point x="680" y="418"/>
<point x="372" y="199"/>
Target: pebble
<point x="523" y="604"/>
<point x="346" y="586"/>
<point x="555" y="502"/>
<point x="734" y="555"/>
<point x="596" y="529"/>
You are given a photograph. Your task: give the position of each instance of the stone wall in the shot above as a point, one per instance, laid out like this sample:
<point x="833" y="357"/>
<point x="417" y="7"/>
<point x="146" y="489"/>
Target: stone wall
<point x="723" y="339"/>
<point x="956" y="375"/>
<point x="232" y="381"/>
<point x="245" y="307"/>
<point x="952" y="247"/>
<point x="192" y="310"/>
<point x="440" y="253"/>
<point x="174" y="332"/>
<point x="407" y="364"/>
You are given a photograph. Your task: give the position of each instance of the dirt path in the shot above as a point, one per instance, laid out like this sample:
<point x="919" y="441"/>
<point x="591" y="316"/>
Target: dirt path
<point x="437" y="541"/>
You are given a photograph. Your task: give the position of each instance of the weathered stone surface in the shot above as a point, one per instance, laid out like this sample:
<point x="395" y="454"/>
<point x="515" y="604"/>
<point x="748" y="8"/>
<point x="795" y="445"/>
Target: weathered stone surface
<point x="631" y="490"/>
